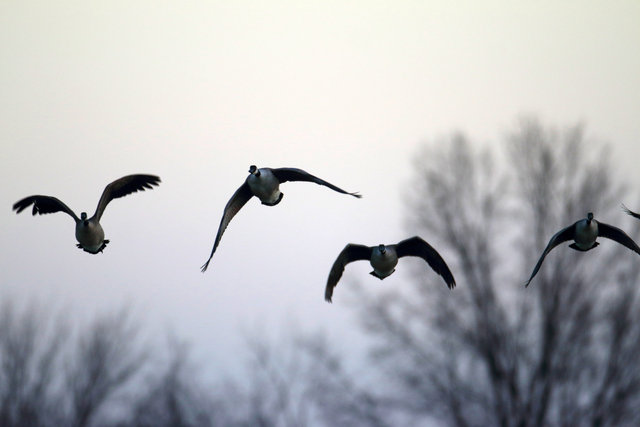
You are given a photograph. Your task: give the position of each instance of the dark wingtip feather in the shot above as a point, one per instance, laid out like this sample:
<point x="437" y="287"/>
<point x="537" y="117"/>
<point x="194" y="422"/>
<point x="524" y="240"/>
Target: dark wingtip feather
<point x="356" y="194"/>
<point x="151" y="181"/>
<point x="19" y="206"/>
<point x="154" y="180"/>
<point x="629" y="211"/>
<point x="205" y="265"/>
<point x="327" y="295"/>
<point x="23" y="204"/>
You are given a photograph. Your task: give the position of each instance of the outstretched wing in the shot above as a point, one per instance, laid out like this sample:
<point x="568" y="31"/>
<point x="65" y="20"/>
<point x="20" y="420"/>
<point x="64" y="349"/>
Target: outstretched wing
<point x="629" y="212"/>
<point x="563" y="235"/>
<point x="43" y="205"/>
<point x="415" y="246"/>
<point x="350" y="253"/>
<point x="293" y="174"/>
<point x="123" y="186"/>
<point x="614" y="233"/>
<point x="237" y="201"/>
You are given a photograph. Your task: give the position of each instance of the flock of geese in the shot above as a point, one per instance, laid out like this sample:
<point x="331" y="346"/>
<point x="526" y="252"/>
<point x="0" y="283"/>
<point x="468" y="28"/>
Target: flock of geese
<point x="264" y="183"/>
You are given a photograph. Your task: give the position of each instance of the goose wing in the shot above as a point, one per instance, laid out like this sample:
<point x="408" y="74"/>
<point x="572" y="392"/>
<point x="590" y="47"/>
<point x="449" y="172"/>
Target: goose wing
<point x="350" y="253"/>
<point x="237" y="201"/>
<point x="415" y="246"/>
<point x="44" y="205"/>
<point x="614" y="233"/>
<point x="123" y="186"/>
<point x="563" y="235"/>
<point x="293" y="174"/>
<point x="629" y="212"/>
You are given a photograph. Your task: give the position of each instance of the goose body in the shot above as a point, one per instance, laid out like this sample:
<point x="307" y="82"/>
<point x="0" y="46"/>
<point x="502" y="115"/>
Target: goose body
<point x="265" y="186"/>
<point x="584" y="234"/>
<point x="90" y="236"/>
<point x="384" y="258"/>
<point x="263" y="183"/>
<point x="89" y="232"/>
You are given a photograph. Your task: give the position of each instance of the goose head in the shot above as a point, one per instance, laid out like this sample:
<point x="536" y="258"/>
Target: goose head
<point x="589" y="217"/>
<point x="253" y="170"/>
<point x="382" y="249"/>
<point x="83" y="218"/>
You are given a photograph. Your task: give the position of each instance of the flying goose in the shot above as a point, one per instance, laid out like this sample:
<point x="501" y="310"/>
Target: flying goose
<point x="383" y="259"/>
<point x="584" y="234"/>
<point x="264" y="184"/>
<point x="89" y="232"/>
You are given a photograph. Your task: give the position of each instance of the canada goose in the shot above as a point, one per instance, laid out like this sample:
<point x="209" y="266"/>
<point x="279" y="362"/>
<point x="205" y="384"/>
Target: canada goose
<point x="383" y="259"/>
<point x="89" y="232"/>
<point x="584" y="234"/>
<point x="264" y="184"/>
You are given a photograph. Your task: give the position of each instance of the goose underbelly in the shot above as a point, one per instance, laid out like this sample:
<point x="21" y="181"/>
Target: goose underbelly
<point x="90" y="236"/>
<point x="270" y="199"/>
<point x="586" y="234"/>
<point x="266" y="188"/>
<point x="384" y="264"/>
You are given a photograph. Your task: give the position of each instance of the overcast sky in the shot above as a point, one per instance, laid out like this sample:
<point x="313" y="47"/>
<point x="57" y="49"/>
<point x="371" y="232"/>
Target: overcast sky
<point x="196" y="91"/>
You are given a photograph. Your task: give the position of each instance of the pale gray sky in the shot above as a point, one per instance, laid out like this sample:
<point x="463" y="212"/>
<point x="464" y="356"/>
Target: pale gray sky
<point x="196" y="91"/>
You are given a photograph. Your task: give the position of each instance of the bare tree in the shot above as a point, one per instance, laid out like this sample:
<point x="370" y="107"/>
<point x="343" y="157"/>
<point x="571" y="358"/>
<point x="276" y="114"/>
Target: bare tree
<point x="175" y="397"/>
<point x="104" y="375"/>
<point x="106" y="358"/>
<point x="341" y="397"/>
<point x="30" y="343"/>
<point x="561" y="352"/>
<point x="275" y="392"/>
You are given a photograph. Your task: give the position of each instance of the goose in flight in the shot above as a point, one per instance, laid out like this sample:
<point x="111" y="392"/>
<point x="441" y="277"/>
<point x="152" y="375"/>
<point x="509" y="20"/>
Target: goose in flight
<point x="383" y="259"/>
<point x="264" y="183"/>
<point x="584" y="234"/>
<point x="89" y="233"/>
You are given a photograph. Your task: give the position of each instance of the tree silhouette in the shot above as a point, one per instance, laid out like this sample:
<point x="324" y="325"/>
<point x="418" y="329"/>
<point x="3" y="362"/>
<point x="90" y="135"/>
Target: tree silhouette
<point x="106" y="358"/>
<point x="99" y="373"/>
<point x="29" y="356"/>
<point x="51" y="375"/>
<point x="173" y="396"/>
